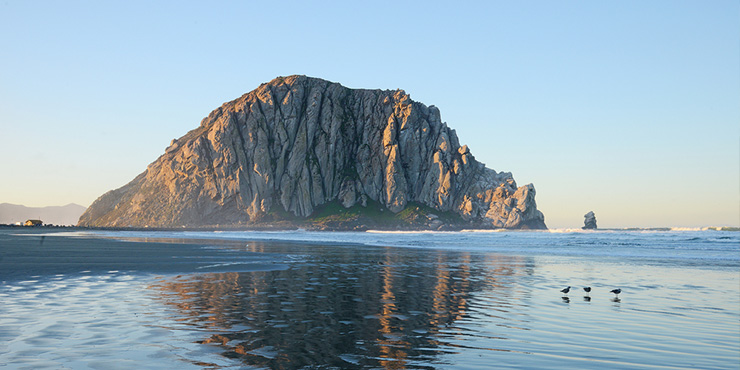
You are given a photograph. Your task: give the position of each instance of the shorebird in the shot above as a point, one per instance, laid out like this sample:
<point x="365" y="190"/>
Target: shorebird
<point x="616" y="291"/>
<point x="566" y="290"/>
<point x="587" y="289"/>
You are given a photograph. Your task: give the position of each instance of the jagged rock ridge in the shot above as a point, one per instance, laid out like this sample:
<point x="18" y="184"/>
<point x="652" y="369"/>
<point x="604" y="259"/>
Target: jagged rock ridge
<point x="296" y="143"/>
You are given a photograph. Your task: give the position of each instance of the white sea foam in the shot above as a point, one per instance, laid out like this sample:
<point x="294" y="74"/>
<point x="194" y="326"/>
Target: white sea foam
<point x="567" y="230"/>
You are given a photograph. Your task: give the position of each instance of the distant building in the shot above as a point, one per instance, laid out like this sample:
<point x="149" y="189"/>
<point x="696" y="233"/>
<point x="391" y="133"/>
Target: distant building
<point x="33" y="223"/>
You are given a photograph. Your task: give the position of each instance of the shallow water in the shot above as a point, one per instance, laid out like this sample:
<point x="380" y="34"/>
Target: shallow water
<point x="487" y="300"/>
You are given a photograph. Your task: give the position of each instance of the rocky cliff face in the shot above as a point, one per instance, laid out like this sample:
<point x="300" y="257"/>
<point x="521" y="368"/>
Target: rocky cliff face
<point x="296" y="143"/>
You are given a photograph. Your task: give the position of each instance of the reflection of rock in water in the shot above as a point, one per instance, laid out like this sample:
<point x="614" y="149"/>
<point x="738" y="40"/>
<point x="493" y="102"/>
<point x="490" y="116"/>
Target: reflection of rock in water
<point x="341" y="311"/>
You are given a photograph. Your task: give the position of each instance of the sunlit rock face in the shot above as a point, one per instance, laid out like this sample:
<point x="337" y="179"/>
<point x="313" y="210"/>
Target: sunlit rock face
<point x="296" y="143"/>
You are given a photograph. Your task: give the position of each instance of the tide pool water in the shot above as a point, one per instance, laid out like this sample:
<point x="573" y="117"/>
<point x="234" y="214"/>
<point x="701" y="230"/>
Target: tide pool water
<point x="460" y="300"/>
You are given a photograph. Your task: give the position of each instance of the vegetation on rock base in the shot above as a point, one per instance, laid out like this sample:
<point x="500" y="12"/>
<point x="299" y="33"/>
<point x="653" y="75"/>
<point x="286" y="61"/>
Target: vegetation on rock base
<point x="415" y="216"/>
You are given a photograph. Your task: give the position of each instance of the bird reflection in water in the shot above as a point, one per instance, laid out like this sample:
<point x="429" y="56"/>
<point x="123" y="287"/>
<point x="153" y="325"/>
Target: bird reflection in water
<point x="587" y="297"/>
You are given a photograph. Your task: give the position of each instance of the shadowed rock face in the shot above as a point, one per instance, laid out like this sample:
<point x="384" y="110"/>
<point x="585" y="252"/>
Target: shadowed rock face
<point x="296" y="143"/>
<point x="589" y="221"/>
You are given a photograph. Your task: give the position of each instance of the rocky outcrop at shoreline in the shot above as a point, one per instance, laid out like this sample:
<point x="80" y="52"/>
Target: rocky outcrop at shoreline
<point x="589" y="222"/>
<point x="297" y="144"/>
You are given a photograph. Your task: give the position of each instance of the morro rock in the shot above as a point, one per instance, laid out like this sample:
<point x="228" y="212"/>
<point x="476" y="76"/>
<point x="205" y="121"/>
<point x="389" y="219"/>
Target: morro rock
<point x="297" y="144"/>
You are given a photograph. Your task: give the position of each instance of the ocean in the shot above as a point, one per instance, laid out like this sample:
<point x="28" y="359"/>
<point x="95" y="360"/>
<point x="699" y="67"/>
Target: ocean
<point x="370" y="300"/>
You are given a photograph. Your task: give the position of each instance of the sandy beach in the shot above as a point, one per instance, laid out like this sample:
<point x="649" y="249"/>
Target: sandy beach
<point x="45" y="251"/>
<point x="229" y="302"/>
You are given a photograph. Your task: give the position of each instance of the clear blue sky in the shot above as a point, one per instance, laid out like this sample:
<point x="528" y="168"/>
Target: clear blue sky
<point x="627" y="108"/>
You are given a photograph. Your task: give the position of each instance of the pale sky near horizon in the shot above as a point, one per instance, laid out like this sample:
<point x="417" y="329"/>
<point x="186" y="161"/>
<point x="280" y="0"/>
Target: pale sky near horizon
<point x="630" y="109"/>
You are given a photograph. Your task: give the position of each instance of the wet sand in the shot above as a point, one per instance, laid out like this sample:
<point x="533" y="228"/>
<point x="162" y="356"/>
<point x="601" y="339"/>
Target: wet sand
<point x="39" y="252"/>
<point x="100" y="303"/>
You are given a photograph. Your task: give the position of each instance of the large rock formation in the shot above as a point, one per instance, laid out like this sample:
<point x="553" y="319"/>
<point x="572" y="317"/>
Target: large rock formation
<point x="296" y="143"/>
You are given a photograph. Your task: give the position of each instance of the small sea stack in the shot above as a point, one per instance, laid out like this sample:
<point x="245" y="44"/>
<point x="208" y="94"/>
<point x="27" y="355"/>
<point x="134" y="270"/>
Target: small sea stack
<point x="590" y="221"/>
